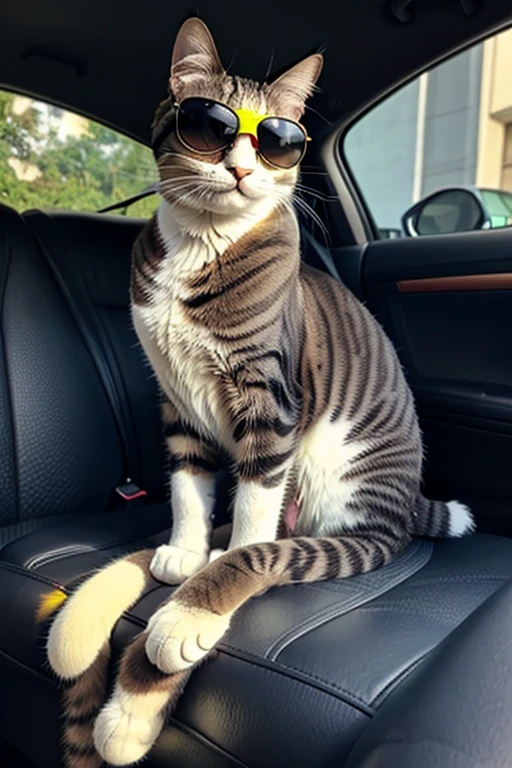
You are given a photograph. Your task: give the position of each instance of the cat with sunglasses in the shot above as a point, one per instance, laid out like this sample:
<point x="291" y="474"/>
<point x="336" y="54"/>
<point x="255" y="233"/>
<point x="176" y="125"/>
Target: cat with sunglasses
<point x="261" y="359"/>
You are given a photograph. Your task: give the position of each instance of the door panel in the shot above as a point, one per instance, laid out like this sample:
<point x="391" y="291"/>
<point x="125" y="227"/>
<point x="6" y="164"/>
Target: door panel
<point x="446" y="302"/>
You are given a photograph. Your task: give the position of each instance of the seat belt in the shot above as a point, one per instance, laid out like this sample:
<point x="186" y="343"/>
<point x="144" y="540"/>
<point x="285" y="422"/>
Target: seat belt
<point x="323" y="253"/>
<point x="123" y="205"/>
<point x="127" y="492"/>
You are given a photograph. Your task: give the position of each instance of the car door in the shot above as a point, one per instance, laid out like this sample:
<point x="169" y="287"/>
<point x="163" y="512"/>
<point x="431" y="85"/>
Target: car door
<point x="445" y="300"/>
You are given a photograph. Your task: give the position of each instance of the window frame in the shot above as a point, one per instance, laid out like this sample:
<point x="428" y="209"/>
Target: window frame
<point x="64" y="108"/>
<point x="359" y="218"/>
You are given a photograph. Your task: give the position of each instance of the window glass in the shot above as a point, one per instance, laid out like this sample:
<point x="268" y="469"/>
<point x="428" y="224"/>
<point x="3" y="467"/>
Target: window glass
<point x="52" y="158"/>
<point x="499" y="205"/>
<point x="450" y="129"/>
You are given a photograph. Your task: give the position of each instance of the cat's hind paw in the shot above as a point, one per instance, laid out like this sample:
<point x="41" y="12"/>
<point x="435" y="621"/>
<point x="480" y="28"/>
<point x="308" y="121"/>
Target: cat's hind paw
<point x="179" y="636"/>
<point x="128" y="726"/>
<point x="173" y="565"/>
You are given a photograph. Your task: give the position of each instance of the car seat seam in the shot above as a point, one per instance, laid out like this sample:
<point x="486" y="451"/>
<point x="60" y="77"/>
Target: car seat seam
<point x="374" y="586"/>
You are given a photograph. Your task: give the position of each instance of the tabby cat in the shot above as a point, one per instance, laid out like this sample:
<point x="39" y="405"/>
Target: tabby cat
<point x="262" y="359"/>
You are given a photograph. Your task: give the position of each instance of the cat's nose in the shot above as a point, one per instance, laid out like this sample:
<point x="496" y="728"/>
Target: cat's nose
<point x="240" y="173"/>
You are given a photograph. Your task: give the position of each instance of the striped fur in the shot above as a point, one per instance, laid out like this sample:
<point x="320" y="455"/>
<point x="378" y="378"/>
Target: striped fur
<point x="266" y="361"/>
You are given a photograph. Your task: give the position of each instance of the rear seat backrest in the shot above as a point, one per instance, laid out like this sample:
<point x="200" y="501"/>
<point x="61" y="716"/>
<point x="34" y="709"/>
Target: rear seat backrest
<point x="90" y="257"/>
<point x="60" y="453"/>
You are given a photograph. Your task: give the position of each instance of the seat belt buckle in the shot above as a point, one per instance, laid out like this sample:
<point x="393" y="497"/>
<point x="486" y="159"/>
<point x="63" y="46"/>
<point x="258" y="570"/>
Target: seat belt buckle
<point x="130" y="493"/>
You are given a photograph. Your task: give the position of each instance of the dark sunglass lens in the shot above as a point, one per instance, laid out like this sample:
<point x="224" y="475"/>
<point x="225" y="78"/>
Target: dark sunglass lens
<point x="205" y="125"/>
<point x="281" y="142"/>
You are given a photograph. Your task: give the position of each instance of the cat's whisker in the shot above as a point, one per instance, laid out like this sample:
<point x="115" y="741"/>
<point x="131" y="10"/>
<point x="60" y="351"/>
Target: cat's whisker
<point x="179" y="179"/>
<point x="319" y="114"/>
<point x="308" y="211"/>
<point x="196" y="180"/>
<point x="270" y="63"/>
<point x="315" y="193"/>
<point x="193" y="187"/>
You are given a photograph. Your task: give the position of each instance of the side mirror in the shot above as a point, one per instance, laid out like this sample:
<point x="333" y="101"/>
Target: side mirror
<point x="445" y="212"/>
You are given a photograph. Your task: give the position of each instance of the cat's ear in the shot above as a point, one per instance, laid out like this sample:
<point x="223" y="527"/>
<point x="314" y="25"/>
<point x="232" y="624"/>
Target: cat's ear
<point x="194" y="55"/>
<point x="291" y="90"/>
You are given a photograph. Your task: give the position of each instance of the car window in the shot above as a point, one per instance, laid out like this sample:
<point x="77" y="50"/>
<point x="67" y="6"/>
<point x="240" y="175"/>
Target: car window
<point x="499" y="205"/>
<point x="438" y="153"/>
<point x="52" y="158"/>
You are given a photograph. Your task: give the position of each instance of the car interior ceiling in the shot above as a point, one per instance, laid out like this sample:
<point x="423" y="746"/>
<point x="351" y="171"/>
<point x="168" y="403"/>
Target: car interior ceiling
<point x="94" y="59"/>
<point x="330" y="675"/>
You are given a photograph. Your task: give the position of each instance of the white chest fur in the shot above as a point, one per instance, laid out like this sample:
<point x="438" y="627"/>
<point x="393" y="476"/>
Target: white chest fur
<point x="186" y="359"/>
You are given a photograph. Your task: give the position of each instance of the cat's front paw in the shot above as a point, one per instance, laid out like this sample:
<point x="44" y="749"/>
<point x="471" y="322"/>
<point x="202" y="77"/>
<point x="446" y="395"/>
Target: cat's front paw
<point x="173" y="565"/>
<point x="179" y="636"/>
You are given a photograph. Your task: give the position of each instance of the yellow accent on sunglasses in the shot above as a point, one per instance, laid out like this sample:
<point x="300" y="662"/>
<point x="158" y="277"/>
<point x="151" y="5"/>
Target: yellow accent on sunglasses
<point x="249" y="121"/>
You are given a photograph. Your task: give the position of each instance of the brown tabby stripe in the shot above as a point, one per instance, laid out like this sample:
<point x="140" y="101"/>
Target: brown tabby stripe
<point x="147" y="254"/>
<point x="186" y="451"/>
<point x="174" y="427"/>
<point x="279" y="319"/>
<point x="248" y="282"/>
<point x="138" y="676"/>
<point x="194" y="464"/>
<point x="221" y="588"/>
<point x="249" y="334"/>
<point x="187" y="448"/>
<point x="431" y="518"/>
<point x="83" y="699"/>
<point x="229" y="581"/>
<point x="257" y="326"/>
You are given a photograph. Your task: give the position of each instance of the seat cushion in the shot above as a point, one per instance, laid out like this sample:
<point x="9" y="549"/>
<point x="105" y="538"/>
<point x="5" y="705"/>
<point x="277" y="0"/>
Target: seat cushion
<point x="455" y="709"/>
<point x="307" y="666"/>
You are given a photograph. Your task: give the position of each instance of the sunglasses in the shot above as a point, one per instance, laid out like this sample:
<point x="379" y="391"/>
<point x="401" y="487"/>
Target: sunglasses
<point x="207" y="126"/>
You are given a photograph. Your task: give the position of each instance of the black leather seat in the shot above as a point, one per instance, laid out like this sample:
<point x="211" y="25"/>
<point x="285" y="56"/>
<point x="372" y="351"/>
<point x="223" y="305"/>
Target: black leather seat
<point x="314" y="675"/>
<point x="60" y="453"/>
<point x="89" y="257"/>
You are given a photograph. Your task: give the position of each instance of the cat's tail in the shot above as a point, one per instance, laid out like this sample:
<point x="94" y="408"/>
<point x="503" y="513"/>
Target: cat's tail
<point x="155" y="666"/>
<point x="79" y="646"/>
<point x="440" y="519"/>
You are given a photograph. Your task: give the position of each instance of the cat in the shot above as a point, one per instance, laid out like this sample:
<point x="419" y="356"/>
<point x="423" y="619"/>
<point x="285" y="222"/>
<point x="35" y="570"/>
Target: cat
<point x="260" y="358"/>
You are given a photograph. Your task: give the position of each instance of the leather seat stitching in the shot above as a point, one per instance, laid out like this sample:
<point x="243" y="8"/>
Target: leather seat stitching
<point x="396" y="573"/>
<point x="426" y="582"/>
<point x="401" y="610"/>
<point x="21" y="571"/>
<point x="62" y="554"/>
<point x="275" y="666"/>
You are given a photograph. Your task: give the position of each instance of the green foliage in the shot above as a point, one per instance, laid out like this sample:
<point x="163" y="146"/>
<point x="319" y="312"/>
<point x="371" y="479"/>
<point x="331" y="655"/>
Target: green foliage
<point x="84" y="173"/>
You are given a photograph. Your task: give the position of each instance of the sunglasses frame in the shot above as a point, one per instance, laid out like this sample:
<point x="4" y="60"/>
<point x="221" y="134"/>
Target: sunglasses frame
<point x="226" y="146"/>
